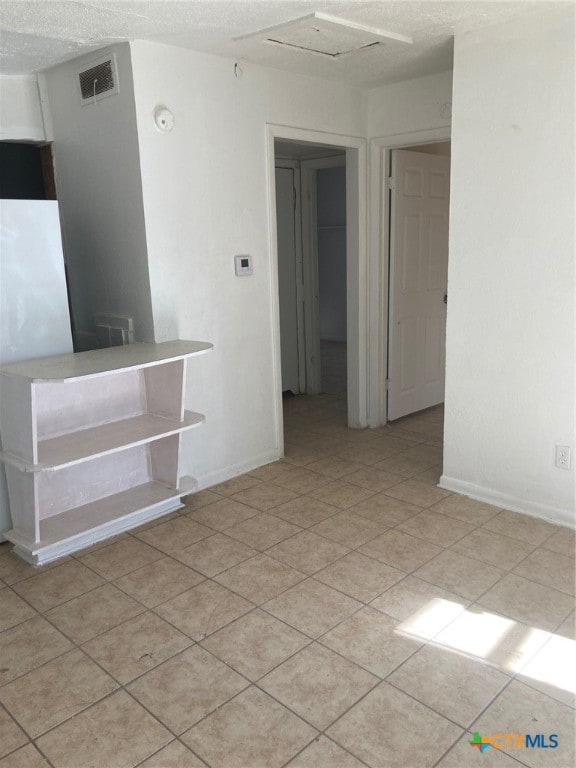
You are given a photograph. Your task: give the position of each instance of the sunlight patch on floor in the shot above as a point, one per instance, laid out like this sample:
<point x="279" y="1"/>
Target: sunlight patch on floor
<point x="538" y="655"/>
<point x="555" y="664"/>
<point x="429" y="620"/>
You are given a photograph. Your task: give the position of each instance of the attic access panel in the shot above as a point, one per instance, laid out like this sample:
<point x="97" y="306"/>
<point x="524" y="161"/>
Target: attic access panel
<point x="325" y="35"/>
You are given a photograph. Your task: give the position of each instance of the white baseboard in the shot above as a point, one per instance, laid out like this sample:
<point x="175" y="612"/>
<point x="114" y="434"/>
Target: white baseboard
<point x="554" y="515"/>
<point x="221" y="475"/>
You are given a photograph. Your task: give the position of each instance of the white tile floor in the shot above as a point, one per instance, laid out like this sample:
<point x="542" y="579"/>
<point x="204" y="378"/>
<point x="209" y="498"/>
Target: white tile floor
<point x="333" y="609"/>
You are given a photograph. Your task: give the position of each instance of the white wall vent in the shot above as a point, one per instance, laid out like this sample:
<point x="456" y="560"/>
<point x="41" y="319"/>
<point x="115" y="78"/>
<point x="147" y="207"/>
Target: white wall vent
<point x="99" y="80"/>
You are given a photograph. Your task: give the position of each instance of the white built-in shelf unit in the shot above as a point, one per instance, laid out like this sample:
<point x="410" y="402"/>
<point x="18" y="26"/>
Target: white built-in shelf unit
<point x="91" y="443"/>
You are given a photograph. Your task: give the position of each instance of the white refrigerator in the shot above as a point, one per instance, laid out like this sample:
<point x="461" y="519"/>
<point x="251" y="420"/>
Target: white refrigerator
<point x="34" y="316"/>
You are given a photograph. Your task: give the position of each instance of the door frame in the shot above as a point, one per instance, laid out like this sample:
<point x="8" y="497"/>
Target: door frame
<point x="380" y="148"/>
<point x="294" y="165"/>
<point x="310" y="263"/>
<point x="358" y="271"/>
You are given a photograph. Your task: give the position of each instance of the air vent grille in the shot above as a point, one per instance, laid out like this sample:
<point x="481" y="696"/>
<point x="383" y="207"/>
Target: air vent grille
<point x="99" y="80"/>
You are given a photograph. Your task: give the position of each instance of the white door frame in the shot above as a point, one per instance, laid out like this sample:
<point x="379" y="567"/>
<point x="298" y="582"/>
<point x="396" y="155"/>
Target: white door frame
<point x="379" y="246"/>
<point x="310" y="262"/>
<point x="294" y="165"/>
<point x="357" y="272"/>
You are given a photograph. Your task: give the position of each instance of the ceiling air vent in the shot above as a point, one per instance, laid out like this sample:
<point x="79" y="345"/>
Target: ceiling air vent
<point x="99" y="81"/>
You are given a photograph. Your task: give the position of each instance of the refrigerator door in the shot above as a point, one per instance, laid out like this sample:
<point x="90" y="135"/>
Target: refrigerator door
<point x="34" y="316"/>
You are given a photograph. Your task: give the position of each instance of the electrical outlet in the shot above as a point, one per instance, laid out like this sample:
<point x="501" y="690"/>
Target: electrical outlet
<point x="563" y="458"/>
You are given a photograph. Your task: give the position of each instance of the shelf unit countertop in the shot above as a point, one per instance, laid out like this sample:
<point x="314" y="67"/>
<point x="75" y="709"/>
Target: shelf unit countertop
<point x="99" y="362"/>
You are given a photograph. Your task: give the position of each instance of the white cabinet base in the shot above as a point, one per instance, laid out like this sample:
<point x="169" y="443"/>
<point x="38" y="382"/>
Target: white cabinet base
<point x="40" y="553"/>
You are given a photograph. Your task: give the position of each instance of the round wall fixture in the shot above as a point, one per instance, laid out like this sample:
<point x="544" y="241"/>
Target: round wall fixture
<point x="163" y="119"/>
<point x="446" y="111"/>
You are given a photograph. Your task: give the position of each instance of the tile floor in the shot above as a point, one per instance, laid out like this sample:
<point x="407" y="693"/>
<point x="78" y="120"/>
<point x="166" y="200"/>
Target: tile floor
<point x="335" y="609"/>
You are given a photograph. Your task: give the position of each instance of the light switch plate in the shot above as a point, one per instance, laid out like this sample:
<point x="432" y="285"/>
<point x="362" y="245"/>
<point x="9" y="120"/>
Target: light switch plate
<point x="243" y="265"/>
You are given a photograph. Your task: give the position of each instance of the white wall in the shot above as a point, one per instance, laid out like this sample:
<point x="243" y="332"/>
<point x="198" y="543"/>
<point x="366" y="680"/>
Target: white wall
<point x="20" y="110"/>
<point x="412" y="105"/>
<point x="331" y="220"/>
<point x="510" y="338"/>
<point x="100" y="194"/>
<point x="206" y="199"/>
<point x="304" y="102"/>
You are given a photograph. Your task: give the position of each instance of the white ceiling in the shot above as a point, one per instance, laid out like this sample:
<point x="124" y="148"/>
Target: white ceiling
<point x="37" y="35"/>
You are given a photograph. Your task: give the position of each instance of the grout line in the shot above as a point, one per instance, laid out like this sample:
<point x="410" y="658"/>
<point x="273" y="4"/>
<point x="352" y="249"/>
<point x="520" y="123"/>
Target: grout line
<point x="48" y="761"/>
<point x="177" y="740"/>
<point x="26" y="733"/>
<point x="330" y="739"/>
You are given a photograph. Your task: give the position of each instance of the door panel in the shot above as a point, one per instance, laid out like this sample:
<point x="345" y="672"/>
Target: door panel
<point x="437" y="248"/>
<point x="413" y="182"/>
<point x="408" y="327"/>
<point x="287" y="284"/>
<point x="411" y="256"/>
<point x="418" y="281"/>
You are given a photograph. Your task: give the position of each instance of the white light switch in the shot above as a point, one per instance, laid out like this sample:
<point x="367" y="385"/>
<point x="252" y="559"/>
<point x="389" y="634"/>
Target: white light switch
<point x="243" y="265"/>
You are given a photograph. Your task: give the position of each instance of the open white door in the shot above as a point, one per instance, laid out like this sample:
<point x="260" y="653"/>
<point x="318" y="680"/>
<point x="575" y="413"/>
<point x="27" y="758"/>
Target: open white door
<point x="289" y="286"/>
<point x="420" y="199"/>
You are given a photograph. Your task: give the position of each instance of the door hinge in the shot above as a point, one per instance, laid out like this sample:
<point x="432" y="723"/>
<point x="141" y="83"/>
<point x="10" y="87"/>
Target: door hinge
<point x="391" y="182"/>
<point x="388" y="385"/>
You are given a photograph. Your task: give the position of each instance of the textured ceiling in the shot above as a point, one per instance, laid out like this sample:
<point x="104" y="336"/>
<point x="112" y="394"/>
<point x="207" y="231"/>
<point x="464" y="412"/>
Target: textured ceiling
<point x="37" y="35"/>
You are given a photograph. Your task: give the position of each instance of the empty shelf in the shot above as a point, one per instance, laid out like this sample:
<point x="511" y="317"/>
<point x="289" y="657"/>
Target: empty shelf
<point x="96" y="514"/>
<point x="75" y="447"/>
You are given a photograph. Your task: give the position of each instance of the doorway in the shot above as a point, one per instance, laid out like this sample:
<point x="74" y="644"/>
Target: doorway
<point x="310" y="185"/>
<point x="419" y="199"/>
<point x="27" y="171"/>
<point x="321" y="148"/>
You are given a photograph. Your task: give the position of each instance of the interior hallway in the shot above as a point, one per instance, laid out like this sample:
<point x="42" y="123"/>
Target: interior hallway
<point x="335" y="608"/>
<point x="333" y="368"/>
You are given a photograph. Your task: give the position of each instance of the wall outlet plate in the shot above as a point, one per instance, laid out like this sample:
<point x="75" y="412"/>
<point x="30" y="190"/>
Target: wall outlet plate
<point x="563" y="457"/>
<point x="243" y="265"/>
